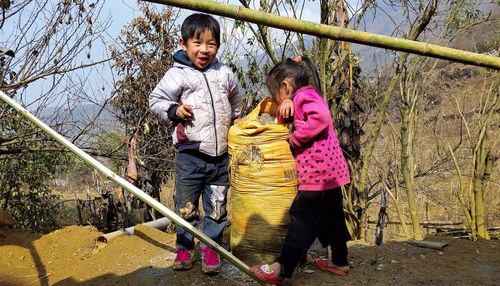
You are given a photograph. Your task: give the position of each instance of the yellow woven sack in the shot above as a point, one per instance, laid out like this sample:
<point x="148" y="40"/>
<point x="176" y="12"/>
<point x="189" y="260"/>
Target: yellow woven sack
<point x="263" y="184"/>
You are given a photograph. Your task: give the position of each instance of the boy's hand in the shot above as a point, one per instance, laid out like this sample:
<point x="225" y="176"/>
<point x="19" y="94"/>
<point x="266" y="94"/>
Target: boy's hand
<point x="185" y="112"/>
<point x="285" y="109"/>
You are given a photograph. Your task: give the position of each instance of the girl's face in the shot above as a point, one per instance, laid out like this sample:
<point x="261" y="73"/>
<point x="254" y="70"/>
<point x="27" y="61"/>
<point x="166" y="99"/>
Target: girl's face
<point x="285" y="91"/>
<point x="201" y="50"/>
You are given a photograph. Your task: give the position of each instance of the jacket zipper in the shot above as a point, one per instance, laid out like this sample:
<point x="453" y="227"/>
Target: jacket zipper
<point x="215" y="118"/>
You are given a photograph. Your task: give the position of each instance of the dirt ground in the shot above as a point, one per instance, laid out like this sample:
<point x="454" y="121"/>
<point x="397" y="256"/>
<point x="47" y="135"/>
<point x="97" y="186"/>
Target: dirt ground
<point x="70" y="256"/>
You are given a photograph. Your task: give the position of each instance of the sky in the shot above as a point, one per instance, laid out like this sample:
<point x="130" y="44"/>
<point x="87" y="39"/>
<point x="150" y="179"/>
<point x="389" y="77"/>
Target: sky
<point x="120" y="13"/>
<point x="129" y="10"/>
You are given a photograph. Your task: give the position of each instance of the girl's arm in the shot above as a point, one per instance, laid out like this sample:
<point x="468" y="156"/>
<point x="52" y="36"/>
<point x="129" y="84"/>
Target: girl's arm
<point x="316" y="119"/>
<point x="285" y="110"/>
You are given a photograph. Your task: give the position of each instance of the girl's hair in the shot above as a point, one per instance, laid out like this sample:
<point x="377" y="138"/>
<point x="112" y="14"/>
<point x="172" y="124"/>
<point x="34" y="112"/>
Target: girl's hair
<point x="196" y="24"/>
<point x="297" y="72"/>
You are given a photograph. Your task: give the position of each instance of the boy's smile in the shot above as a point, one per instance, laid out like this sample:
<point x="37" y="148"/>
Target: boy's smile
<point x="201" y="49"/>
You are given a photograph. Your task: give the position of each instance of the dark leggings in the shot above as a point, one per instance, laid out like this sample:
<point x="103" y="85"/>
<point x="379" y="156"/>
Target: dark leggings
<point x="315" y="214"/>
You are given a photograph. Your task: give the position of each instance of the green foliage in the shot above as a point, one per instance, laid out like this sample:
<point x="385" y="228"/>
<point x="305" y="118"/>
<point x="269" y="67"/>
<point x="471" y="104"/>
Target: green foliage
<point x="49" y="38"/>
<point x="488" y="45"/>
<point x="465" y="14"/>
<point x="251" y="79"/>
<point x="112" y="144"/>
<point x="28" y="160"/>
<point x="34" y="209"/>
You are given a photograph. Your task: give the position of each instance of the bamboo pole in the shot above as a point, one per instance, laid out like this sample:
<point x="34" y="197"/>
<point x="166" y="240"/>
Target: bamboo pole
<point x="128" y="186"/>
<point x="342" y="34"/>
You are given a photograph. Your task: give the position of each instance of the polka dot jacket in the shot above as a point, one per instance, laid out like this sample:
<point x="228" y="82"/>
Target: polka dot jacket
<point x="318" y="157"/>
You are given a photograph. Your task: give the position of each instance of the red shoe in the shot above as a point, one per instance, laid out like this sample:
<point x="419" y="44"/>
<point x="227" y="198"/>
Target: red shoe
<point x="324" y="265"/>
<point x="183" y="260"/>
<point x="266" y="274"/>
<point x="210" y="263"/>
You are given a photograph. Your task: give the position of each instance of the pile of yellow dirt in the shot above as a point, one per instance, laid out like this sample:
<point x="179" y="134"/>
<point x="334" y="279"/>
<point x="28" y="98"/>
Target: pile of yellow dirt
<point x="69" y="256"/>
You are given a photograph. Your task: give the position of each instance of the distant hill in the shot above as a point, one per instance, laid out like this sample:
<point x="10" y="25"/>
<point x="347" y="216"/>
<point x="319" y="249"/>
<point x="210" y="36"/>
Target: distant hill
<point x="387" y="20"/>
<point x="79" y="117"/>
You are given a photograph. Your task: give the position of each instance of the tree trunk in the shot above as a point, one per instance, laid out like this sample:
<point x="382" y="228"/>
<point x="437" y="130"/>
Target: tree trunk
<point x="416" y="29"/>
<point x="362" y="196"/>
<point x="479" y="170"/>
<point x="483" y="163"/>
<point x="407" y="163"/>
<point x="460" y="194"/>
<point x="341" y="89"/>
<point x="399" y="211"/>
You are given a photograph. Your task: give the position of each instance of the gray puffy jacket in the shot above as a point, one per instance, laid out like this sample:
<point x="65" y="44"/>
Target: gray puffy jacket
<point x="213" y="95"/>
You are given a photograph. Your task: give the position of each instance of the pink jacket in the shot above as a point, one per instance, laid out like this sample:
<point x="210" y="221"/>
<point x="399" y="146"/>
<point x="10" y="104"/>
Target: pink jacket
<point x="319" y="159"/>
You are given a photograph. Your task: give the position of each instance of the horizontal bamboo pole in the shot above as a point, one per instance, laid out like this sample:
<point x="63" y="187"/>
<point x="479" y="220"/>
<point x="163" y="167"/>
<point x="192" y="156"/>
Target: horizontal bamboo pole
<point x="332" y="32"/>
<point x="128" y="186"/>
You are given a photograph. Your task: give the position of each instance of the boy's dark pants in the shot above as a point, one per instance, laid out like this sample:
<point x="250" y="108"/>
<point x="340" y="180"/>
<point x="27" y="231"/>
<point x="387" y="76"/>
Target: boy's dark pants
<point x="315" y="214"/>
<point x="199" y="174"/>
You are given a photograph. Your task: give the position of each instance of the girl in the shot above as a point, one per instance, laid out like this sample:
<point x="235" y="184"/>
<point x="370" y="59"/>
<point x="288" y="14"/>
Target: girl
<point x="316" y="211"/>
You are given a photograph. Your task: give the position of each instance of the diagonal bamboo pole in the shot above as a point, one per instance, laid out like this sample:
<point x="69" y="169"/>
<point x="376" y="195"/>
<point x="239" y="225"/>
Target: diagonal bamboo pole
<point x="342" y="34"/>
<point x="128" y="186"/>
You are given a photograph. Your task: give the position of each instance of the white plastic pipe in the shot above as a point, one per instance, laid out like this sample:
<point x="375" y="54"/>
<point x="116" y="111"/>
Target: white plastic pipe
<point x="160" y="224"/>
<point x="129" y="187"/>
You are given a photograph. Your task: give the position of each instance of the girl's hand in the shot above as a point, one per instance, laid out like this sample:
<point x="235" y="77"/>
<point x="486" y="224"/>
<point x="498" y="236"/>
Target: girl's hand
<point x="185" y="112"/>
<point x="285" y="109"/>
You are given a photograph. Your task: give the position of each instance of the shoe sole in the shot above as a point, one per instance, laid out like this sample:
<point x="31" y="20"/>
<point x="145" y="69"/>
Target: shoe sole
<point x="210" y="269"/>
<point x="334" y="270"/>
<point x="263" y="277"/>
<point x="182" y="266"/>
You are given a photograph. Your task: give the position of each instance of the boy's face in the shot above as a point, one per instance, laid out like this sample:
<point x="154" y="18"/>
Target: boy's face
<point x="202" y="50"/>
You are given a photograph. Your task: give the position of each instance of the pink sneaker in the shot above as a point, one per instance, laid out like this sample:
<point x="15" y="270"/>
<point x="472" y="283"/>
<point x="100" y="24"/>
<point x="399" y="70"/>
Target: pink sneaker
<point x="183" y="260"/>
<point x="210" y="261"/>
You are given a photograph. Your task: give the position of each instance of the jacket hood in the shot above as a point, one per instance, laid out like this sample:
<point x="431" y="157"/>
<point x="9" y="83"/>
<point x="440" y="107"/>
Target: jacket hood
<point x="181" y="57"/>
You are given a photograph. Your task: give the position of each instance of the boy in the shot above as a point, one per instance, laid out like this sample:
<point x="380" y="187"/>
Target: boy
<point x="199" y="95"/>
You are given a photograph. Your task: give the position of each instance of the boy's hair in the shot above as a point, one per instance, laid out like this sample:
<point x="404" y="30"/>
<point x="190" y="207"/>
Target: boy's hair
<point x="196" y="24"/>
<point x="297" y="72"/>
